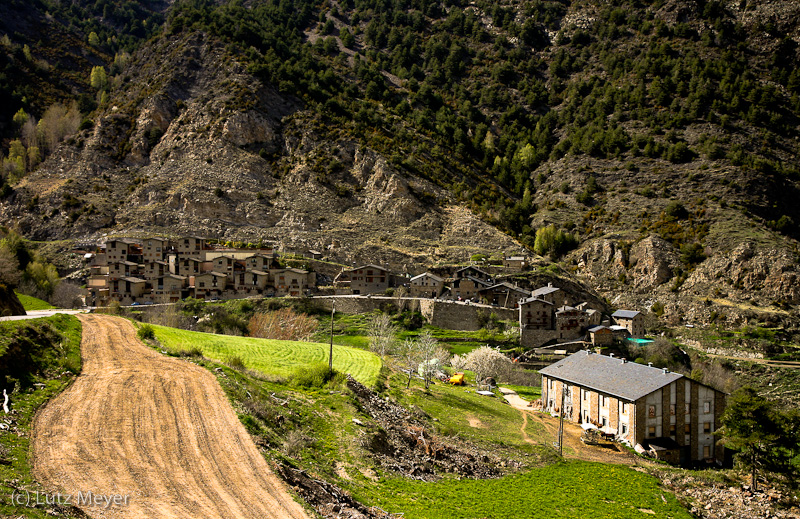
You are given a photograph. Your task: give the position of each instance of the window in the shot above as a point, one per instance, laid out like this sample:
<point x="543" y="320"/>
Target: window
<point x="202" y="284"/>
<point x="707" y="407"/>
<point x="624" y="429"/>
<point x="651" y="411"/>
<point x="624" y="408"/>
<point x="651" y="431"/>
<point x="603" y="401"/>
<point x="672" y="409"/>
<point x="672" y="430"/>
<point x="707" y="427"/>
<point x="706" y="451"/>
<point x="687" y="408"/>
<point x="605" y="421"/>
<point x="584" y="395"/>
<point x="687" y="429"/>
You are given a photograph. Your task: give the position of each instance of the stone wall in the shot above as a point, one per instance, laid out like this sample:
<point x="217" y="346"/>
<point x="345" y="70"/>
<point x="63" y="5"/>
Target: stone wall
<point x="444" y="314"/>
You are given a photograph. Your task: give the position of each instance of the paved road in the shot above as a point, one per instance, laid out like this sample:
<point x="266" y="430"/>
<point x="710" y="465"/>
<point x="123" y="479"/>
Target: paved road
<point x="35" y="314"/>
<point x="155" y="429"/>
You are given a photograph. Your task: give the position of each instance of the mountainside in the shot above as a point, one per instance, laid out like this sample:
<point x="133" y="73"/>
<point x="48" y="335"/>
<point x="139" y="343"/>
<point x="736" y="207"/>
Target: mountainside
<point x="663" y="135"/>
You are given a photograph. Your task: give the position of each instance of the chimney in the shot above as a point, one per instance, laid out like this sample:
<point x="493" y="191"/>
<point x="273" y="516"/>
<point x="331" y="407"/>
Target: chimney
<point x="650" y="364"/>
<point x="624" y="360"/>
<point x="611" y="355"/>
<point x="666" y="371"/>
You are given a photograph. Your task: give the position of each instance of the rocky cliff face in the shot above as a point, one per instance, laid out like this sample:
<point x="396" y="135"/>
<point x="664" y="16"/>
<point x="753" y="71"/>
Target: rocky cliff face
<point x="192" y="144"/>
<point x="9" y="302"/>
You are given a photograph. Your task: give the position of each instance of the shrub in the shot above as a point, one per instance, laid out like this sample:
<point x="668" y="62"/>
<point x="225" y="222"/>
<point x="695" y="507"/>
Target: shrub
<point x="554" y="242"/>
<point x="316" y="376"/>
<point x="146" y="332"/>
<point x="235" y="362"/>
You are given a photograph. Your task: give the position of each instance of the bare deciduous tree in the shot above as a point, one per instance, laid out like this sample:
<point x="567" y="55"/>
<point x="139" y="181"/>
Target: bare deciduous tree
<point x="66" y="295"/>
<point x="382" y="335"/>
<point x="284" y="324"/>
<point x="9" y="268"/>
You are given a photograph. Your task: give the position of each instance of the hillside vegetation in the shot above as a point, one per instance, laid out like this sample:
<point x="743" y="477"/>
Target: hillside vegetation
<point x="656" y="139"/>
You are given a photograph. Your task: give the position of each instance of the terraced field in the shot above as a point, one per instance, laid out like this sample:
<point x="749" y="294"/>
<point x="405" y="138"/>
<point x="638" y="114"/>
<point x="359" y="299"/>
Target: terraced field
<point x="280" y="358"/>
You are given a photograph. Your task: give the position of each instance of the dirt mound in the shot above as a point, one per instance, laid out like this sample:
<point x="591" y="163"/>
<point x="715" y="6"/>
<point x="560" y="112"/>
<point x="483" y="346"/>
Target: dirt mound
<point x="403" y="443"/>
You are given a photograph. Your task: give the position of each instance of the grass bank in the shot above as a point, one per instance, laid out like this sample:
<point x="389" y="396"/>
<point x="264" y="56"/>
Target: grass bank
<point x="563" y="490"/>
<point x="41" y="358"/>
<point x="31" y="303"/>
<point x="278" y="358"/>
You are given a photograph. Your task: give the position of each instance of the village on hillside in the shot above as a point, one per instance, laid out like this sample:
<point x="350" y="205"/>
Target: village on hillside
<point x="159" y="270"/>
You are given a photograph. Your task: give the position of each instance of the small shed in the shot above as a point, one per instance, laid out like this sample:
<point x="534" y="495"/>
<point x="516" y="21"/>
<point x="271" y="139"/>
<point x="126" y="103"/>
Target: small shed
<point x="601" y="336"/>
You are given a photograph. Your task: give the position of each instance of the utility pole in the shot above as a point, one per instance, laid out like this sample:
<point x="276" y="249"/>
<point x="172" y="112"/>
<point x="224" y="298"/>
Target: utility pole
<point x="333" y="311"/>
<point x="561" y="421"/>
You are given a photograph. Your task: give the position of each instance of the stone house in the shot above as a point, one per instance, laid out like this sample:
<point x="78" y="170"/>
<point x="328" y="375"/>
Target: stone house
<point x="552" y="294"/>
<point x="571" y="323"/>
<point x="601" y="336"/>
<point x="473" y="272"/>
<point x="630" y="319"/>
<point x="467" y="287"/>
<point x="121" y="249"/>
<point x="185" y="266"/>
<point x="251" y="280"/>
<point x="426" y="285"/>
<point x="516" y="262"/>
<point x="259" y="262"/>
<point x="154" y="249"/>
<point x="170" y="289"/>
<point x="209" y="284"/>
<point x="368" y="279"/>
<point x="123" y="269"/>
<point x="638" y="404"/>
<point x="503" y="294"/>
<point x="191" y="246"/>
<point x="155" y="269"/>
<point x="128" y="290"/>
<point x="291" y="282"/>
<point x="225" y="265"/>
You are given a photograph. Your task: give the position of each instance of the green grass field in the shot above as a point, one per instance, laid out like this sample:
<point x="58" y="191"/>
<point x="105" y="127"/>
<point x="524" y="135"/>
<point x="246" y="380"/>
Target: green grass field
<point x="564" y="490"/>
<point x="31" y="303"/>
<point x="279" y="358"/>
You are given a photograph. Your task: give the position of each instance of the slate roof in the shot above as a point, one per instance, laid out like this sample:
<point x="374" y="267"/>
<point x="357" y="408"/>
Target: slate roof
<point x="544" y="291"/>
<point x="625" y="314"/>
<point x="626" y="380"/>
<point x="534" y="298"/>
<point x="428" y="274"/>
<point x="595" y="329"/>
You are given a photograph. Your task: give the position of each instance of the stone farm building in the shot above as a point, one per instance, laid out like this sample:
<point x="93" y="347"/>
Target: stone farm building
<point x="159" y="270"/>
<point x="664" y="412"/>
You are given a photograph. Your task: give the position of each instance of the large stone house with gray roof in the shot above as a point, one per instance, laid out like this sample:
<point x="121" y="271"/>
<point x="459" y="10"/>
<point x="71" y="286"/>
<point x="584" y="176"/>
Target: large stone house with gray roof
<point x="638" y="404"/>
<point x="632" y="320"/>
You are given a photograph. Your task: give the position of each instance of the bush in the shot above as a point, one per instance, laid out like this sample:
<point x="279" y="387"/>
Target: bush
<point x="235" y="362"/>
<point x="146" y="332"/>
<point x="554" y="242"/>
<point x="316" y="376"/>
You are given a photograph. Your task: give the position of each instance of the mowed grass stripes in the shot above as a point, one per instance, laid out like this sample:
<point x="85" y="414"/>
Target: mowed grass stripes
<point x="280" y="358"/>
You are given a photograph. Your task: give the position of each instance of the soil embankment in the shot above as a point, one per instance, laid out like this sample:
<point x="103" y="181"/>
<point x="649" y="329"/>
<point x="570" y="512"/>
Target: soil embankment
<point x="155" y="429"/>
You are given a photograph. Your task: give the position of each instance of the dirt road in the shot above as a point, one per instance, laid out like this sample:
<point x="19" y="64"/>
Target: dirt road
<point x="155" y="429"/>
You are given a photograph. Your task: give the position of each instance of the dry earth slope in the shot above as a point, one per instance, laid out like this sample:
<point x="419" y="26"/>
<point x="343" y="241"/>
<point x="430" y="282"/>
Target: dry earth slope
<point x="156" y="429"/>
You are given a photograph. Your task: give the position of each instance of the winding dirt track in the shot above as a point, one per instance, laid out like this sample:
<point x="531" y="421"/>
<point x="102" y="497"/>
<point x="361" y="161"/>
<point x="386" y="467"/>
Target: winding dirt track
<point x="154" y="428"/>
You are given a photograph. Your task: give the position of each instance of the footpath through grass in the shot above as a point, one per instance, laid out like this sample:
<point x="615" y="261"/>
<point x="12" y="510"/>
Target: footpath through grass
<point x="31" y="303"/>
<point x="564" y="490"/>
<point x="279" y="358"/>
